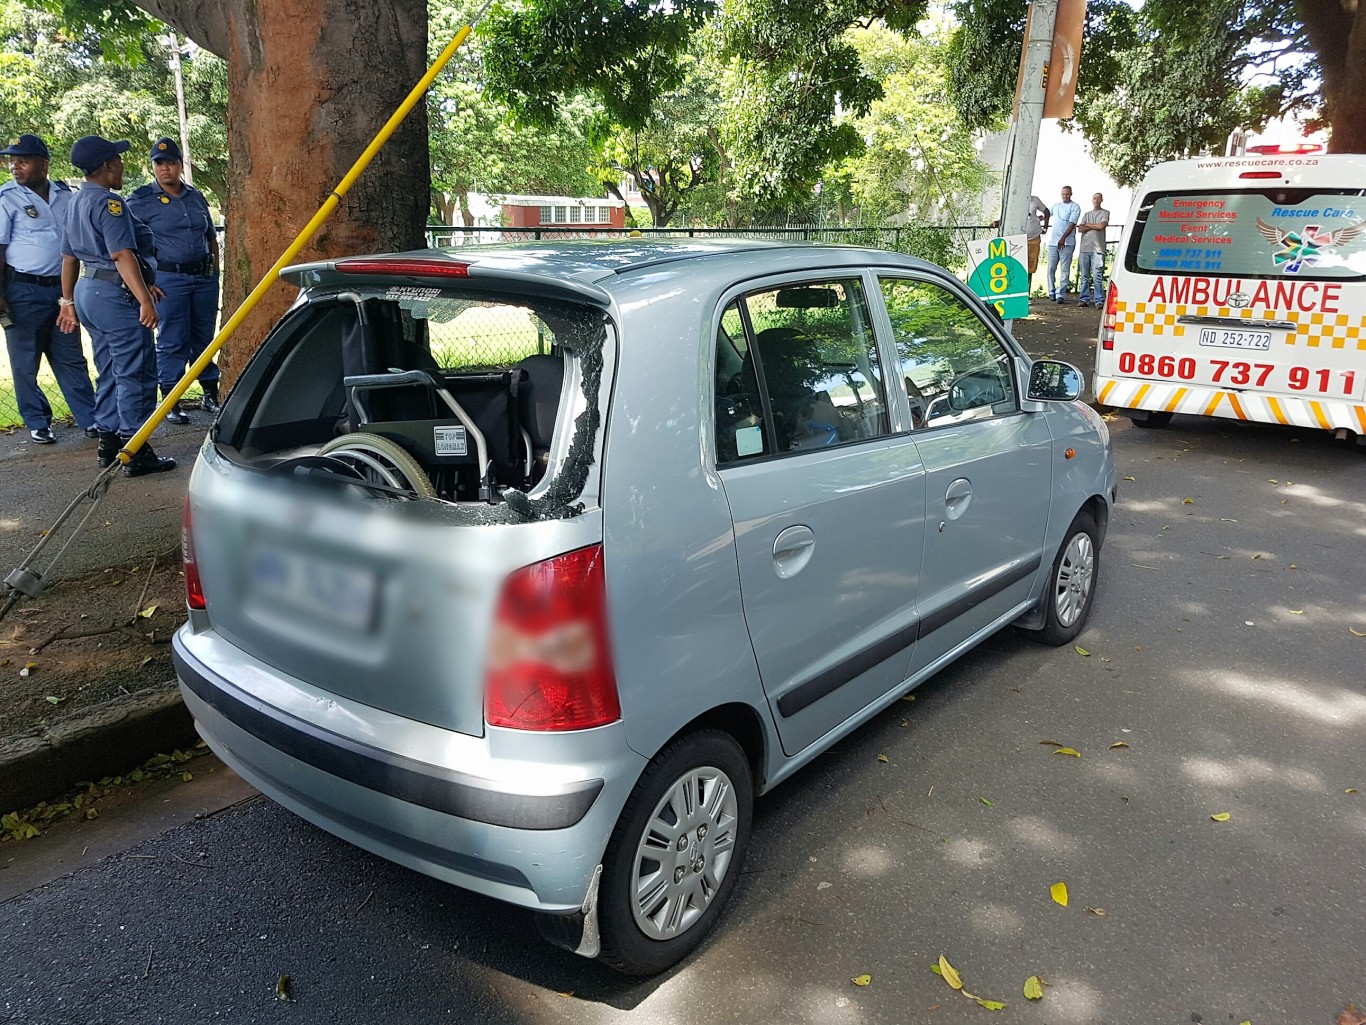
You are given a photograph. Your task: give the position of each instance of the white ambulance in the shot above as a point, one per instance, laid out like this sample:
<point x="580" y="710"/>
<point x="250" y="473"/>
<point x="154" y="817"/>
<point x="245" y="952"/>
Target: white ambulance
<point x="1239" y="290"/>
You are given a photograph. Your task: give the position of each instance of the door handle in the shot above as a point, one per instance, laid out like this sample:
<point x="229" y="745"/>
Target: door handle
<point x="792" y="550"/>
<point x="957" y="498"/>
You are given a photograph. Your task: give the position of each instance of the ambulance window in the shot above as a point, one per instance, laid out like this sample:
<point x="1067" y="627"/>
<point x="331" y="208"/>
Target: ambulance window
<point x="1303" y="234"/>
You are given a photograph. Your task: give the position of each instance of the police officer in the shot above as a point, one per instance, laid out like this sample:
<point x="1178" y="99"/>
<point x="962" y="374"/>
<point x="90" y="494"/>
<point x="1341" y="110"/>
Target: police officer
<point x="116" y="302"/>
<point x="187" y="271"/>
<point x="32" y="220"/>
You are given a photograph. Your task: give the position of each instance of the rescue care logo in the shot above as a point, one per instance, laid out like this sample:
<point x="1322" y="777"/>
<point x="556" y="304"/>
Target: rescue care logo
<point x="1305" y="296"/>
<point x="1305" y="247"/>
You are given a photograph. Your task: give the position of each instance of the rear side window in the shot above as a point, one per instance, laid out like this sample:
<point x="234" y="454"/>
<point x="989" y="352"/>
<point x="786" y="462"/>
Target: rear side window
<point x="1273" y="233"/>
<point x="797" y="369"/>
<point x="952" y="367"/>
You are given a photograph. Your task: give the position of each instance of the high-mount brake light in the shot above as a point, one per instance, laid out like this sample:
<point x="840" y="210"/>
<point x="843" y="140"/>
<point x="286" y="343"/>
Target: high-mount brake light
<point x="1260" y="174"/>
<point x="194" y="590"/>
<point x="549" y="661"/>
<point x="405" y="268"/>
<point x="1107" y="330"/>
<point x="1294" y="149"/>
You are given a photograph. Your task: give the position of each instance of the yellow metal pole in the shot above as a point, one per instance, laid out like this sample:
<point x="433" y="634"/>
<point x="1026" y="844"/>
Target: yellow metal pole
<point x="287" y="257"/>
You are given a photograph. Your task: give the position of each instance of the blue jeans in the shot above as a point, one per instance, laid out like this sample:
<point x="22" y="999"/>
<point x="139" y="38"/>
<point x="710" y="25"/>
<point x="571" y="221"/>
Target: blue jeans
<point x="125" y="356"/>
<point x="33" y="335"/>
<point x="189" y="315"/>
<point x="1091" y="277"/>
<point x="1059" y="255"/>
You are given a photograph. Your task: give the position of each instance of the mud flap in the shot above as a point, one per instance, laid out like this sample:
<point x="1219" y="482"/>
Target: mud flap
<point x="577" y="932"/>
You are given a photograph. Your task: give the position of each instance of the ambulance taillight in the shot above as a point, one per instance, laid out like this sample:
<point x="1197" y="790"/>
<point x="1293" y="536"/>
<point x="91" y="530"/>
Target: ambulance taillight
<point x="1107" y="333"/>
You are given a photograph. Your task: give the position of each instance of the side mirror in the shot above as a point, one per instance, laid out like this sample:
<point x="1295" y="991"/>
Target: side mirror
<point x="1053" y="380"/>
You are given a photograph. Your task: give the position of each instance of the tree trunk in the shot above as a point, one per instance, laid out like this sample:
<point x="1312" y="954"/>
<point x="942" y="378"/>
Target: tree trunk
<point x="1337" y="30"/>
<point x="309" y="85"/>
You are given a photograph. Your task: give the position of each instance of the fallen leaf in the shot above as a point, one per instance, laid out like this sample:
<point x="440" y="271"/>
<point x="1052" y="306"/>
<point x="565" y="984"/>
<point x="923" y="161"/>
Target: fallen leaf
<point x="1051" y="743"/>
<point x="1355" y="633"/>
<point x="991" y="1005"/>
<point x="1068" y="751"/>
<point x="908" y="697"/>
<point x="1098" y="912"/>
<point x="1059" y="893"/>
<point x="1249" y="1022"/>
<point x="53" y="699"/>
<point x="1082" y="651"/>
<point x="1118" y="743"/>
<point x="1187" y="501"/>
<point x="148" y="612"/>
<point x="1350" y="1016"/>
<point x="1270" y="481"/>
<point x="186" y="777"/>
<point x="861" y="980"/>
<point x="1129" y="478"/>
<point x="882" y="758"/>
<point x="986" y="802"/>
<point x="949" y="973"/>
<point x="1033" y="988"/>
<point x="282" y="989"/>
<point x="1221" y="816"/>
<point x="1297" y="612"/>
<point x="1350" y="790"/>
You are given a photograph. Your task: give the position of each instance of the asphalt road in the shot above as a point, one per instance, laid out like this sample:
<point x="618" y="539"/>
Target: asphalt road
<point x="1220" y="652"/>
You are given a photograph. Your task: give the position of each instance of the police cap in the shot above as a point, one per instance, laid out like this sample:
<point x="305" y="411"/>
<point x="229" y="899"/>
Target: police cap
<point x="165" y="149"/>
<point x="91" y="152"/>
<point x="26" y="146"/>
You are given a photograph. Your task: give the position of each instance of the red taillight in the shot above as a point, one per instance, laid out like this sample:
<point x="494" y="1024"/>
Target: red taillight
<point x="1260" y="174"/>
<point x="549" y="663"/>
<point x="419" y="268"/>
<point x="1107" y="326"/>
<point x="1298" y="148"/>
<point x="194" y="591"/>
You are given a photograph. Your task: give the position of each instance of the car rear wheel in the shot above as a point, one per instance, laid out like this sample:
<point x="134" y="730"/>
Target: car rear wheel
<point x="1151" y="420"/>
<point x="1071" y="584"/>
<point x="675" y="854"/>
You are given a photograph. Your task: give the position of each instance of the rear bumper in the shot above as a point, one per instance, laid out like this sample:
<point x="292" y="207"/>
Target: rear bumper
<point x="529" y="830"/>
<point x="1261" y="407"/>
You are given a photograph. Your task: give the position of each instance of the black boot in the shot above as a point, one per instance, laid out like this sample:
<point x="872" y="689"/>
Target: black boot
<point x="146" y="461"/>
<point x="210" y="401"/>
<point x="110" y="443"/>
<point x="176" y="415"/>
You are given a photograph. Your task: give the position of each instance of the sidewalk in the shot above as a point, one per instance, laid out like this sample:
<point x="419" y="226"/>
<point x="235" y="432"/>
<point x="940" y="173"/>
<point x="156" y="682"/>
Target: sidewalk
<point x="116" y="703"/>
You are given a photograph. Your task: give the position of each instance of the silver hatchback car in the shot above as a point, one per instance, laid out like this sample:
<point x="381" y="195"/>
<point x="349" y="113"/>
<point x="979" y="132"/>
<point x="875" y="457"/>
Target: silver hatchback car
<point x="529" y="567"/>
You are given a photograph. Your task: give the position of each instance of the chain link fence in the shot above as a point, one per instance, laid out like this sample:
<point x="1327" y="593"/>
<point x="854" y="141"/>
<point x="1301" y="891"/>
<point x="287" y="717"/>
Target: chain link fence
<point x="471" y="335"/>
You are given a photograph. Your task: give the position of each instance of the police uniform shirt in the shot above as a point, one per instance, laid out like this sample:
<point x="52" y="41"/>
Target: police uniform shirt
<point x="181" y="225"/>
<point x="98" y="224"/>
<point x="34" y="230"/>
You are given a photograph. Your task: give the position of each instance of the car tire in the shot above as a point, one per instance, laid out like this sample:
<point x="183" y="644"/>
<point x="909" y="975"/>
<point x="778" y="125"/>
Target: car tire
<point x="1071" y="587"/>
<point x="1151" y="420"/>
<point x="382" y="461"/>
<point x="676" y="853"/>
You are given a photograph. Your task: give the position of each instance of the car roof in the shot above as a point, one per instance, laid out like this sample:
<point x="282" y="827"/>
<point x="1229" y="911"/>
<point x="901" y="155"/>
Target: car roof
<point x="585" y="268"/>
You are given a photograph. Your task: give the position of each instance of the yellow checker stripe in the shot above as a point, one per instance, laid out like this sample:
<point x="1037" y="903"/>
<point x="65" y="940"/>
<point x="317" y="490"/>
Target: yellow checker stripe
<point x="1200" y="400"/>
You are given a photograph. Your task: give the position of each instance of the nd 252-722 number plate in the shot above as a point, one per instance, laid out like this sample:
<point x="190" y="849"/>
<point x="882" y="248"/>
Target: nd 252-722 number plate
<point x="1233" y="338"/>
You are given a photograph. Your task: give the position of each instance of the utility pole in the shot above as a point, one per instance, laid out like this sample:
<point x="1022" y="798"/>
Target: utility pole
<point x="174" y="39"/>
<point x="1024" y="146"/>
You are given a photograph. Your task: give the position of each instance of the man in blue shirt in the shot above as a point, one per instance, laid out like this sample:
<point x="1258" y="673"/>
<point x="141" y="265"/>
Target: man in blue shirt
<point x="110" y="250"/>
<point x="1062" y="243"/>
<point x="32" y="227"/>
<point x="187" y="271"/>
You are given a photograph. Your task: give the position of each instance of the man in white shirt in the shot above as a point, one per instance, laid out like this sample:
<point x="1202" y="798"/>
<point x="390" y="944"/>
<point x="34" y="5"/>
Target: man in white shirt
<point x="32" y="228"/>
<point x="1062" y="243"/>
<point x="1091" y="252"/>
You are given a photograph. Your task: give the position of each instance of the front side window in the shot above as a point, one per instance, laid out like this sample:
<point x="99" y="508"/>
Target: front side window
<point x="952" y="366"/>
<point x="797" y="369"/>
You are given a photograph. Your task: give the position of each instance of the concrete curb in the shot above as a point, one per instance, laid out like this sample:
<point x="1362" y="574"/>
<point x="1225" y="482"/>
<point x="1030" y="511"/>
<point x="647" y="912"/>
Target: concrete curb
<point x="103" y="740"/>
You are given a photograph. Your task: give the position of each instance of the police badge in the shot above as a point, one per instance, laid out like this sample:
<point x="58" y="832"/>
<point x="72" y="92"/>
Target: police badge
<point x="165" y="199"/>
<point x="115" y="207"/>
<point x="31" y="210"/>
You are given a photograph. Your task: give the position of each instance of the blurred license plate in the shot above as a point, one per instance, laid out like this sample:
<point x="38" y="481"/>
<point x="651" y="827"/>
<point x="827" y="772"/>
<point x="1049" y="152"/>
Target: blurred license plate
<point x="1231" y="338"/>
<point x="340" y="594"/>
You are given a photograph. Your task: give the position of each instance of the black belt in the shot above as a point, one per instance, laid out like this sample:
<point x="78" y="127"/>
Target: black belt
<point x="200" y="268"/>
<point x="35" y="279"/>
<point x="104" y="274"/>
